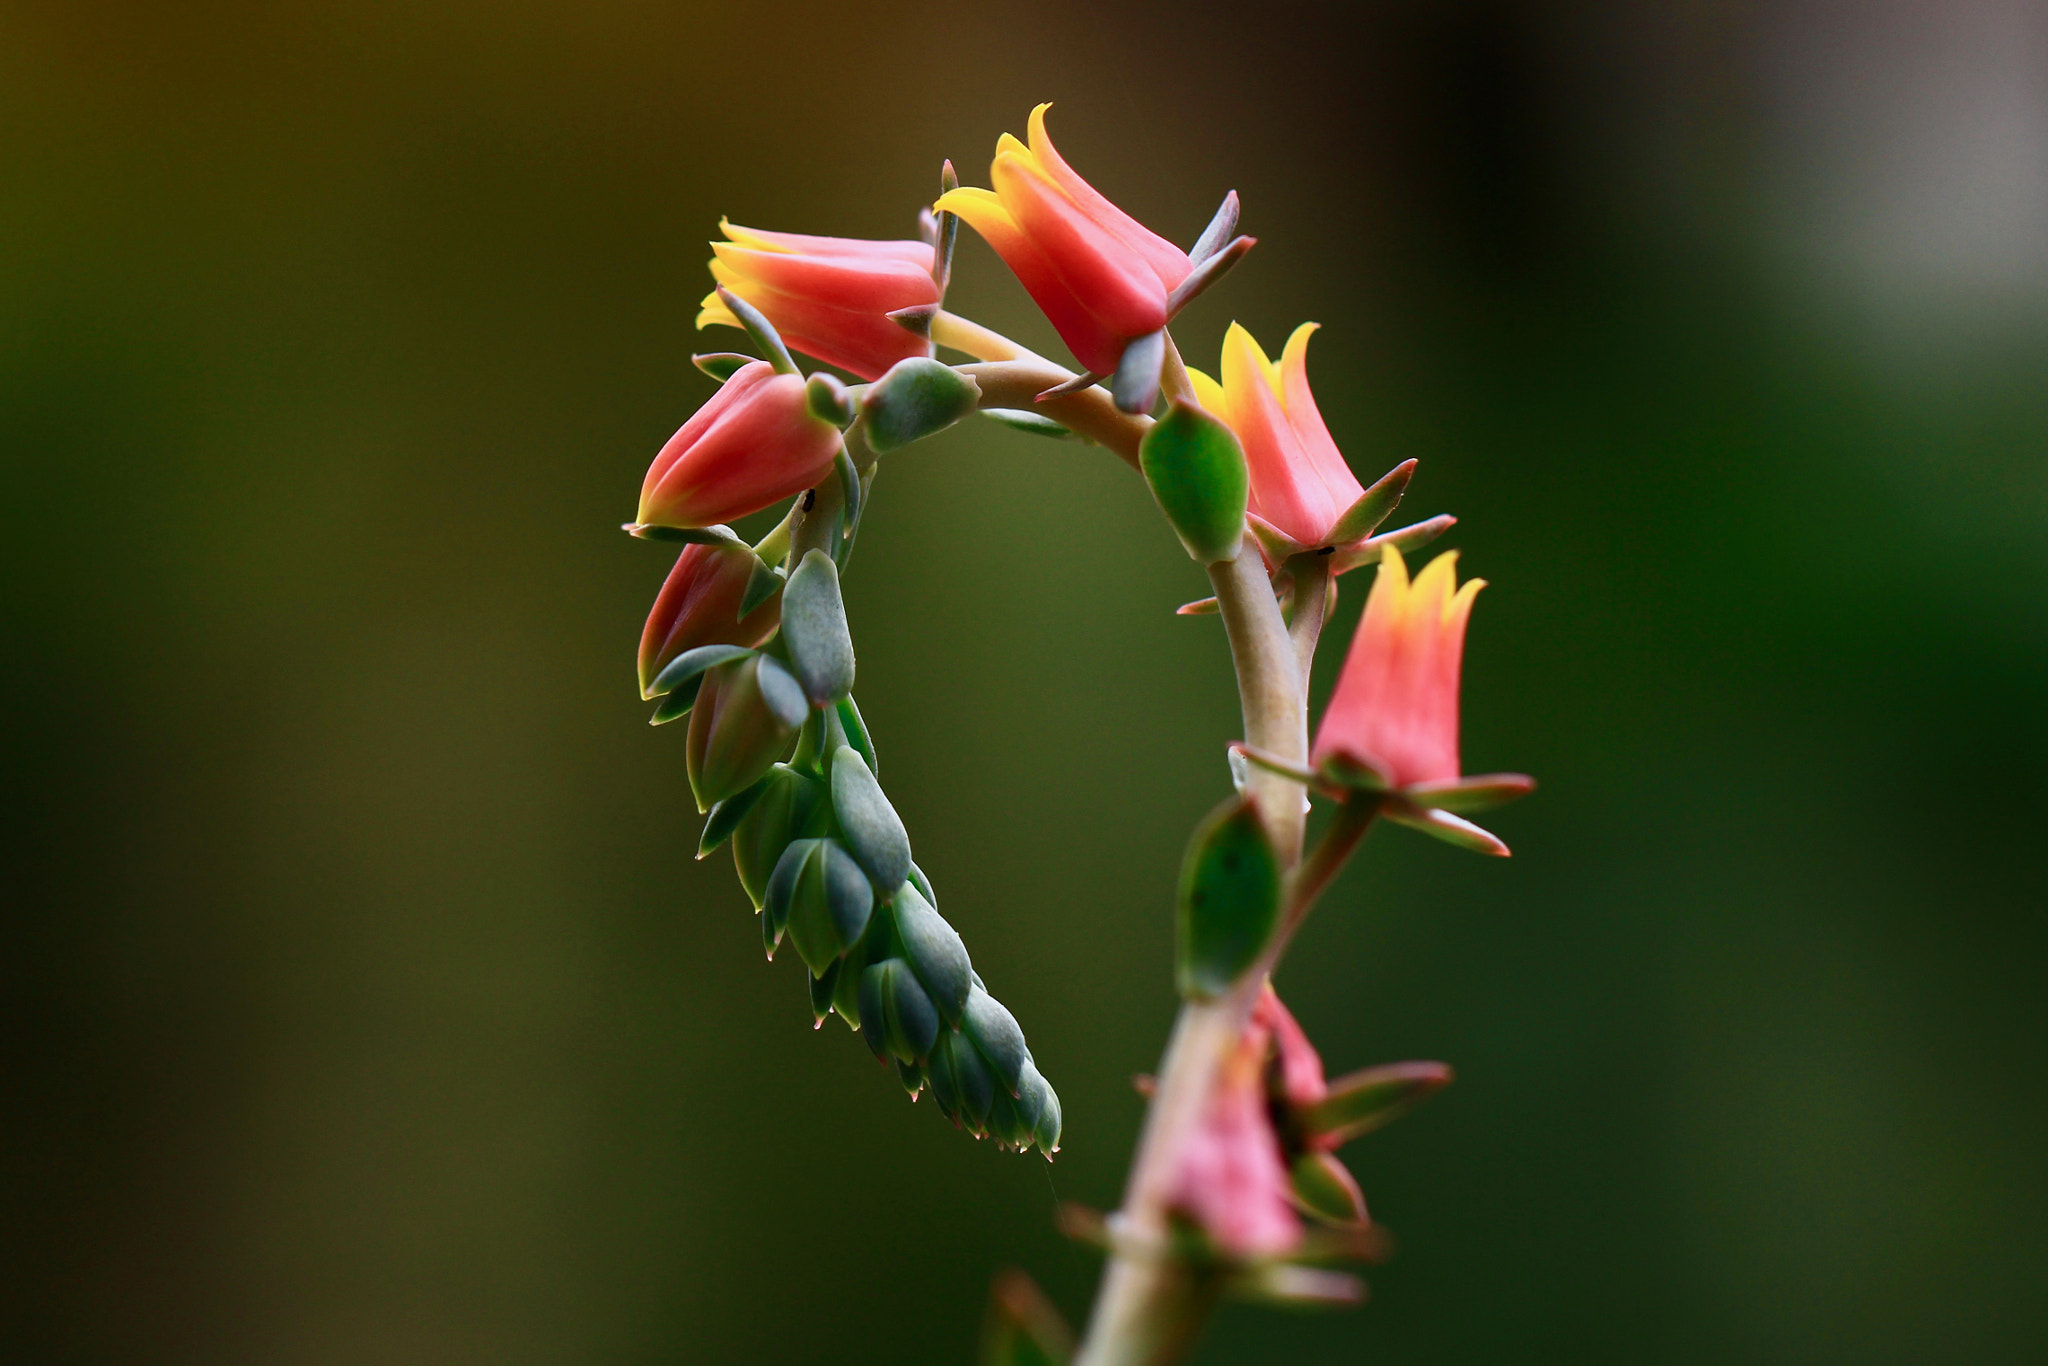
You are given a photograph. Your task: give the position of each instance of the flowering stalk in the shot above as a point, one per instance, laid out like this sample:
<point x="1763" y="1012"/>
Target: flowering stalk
<point x="1235" y="1188"/>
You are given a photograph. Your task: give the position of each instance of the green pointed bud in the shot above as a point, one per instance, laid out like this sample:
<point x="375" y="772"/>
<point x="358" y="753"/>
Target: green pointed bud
<point x="931" y="898"/>
<point x="721" y="365"/>
<point x="828" y="400"/>
<point x="935" y="953"/>
<point x="853" y="970"/>
<point x="760" y="329"/>
<point x="1195" y="468"/>
<point x="1005" y="1125"/>
<point x="856" y="732"/>
<point x="1229" y="900"/>
<point x="996" y="1033"/>
<point x="814" y="629"/>
<point x="912" y="1077"/>
<point x="781" y="892"/>
<point x="873" y="830"/>
<point x="782" y="812"/>
<point x="961" y="1084"/>
<point x="1325" y="1188"/>
<point x="747" y="714"/>
<point x="821" y="992"/>
<point x="1372" y="1099"/>
<point x="917" y="398"/>
<point x="892" y="1003"/>
<point x="1037" y="1098"/>
<point x="726" y="815"/>
<point x="828" y="900"/>
<point x="771" y="933"/>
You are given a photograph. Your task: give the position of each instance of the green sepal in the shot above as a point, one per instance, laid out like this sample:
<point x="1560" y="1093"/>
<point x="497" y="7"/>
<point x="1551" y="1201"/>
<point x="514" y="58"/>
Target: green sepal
<point x="1196" y="471"/>
<point x="1006" y="1125"/>
<point x="1290" y="1285"/>
<point x="1033" y="424"/>
<point x="1374" y="506"/>
<point x="1477" y="792"/>
<point x="725" y="816"/>
<point x="814" y="629"/>
<point x="824" y="897"/>
<point x="931" y="898"/>
<point x="827" y="399"/>
<point x="676" y="705"/>
<point x="1404" y="539"/>
<point x="1229" y="900"/>
<point x="786" y="807"/>
<point x="1325" y="1188"/>
<point x="856" y="732"/>
<point x="690" y="663"/>
<point x="760" y="329"/>
<point x="746" y="715"/>
<point x="721" y="365"/>
<point x="915" y="399"/>
<point x="945" y="232"/>
<point x="912" y="1077"/>
<point x="1206" y="273"/>
<point x="997" y="1034"/>
<point x="935" y="952"/>
<point x="771" y="933"/>
<point x="782" y="883"/>
<point x="874" y="946"/>
<point x="1372" y="1099"/>
<point x="1222" y="228"/>
<point x="895" y="1007"/>
<point x="764" y="581"/>
<point x="849" y="489"/>
<point x="961" y="1085"/>
<point x="1134" y="388"/>
<point x="1446" y="827"/>
<point x="872" y="829"/>
<point x="686" y="535"/>
<point x="821" y="988"/>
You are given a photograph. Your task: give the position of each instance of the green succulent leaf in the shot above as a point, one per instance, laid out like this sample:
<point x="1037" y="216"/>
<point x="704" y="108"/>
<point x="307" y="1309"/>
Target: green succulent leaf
<point x="915" y="399"/>
<point x="814" y="629"/>
<point x="1229" y="903"/>
<point x="870" y="825"/>
<point x="1196" y="471"/>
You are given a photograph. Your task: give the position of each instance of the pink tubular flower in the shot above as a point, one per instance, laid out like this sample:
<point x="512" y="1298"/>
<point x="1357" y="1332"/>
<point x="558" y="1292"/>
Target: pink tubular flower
<point x="1099" y="275"/>
<point x="699" y="604"/>
<point x="1300" y="484"/>
<point x="756" y="442"/>
<point x="1300" y="1066"/>
<point x="1231" y="1177"/>
<point x="1395" y="708"/>
<point x="829" y="297"/>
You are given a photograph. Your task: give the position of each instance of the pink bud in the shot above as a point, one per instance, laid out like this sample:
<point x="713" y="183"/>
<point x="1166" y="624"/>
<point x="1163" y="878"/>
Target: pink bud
<point x="1229" y="1174"/>
<point x="755" y="443"/>
<point x="699" y="604"/>
<point x="1100" y="276"/>
<point x="1300" y="484"/>
<point x="1395" y="707"/>
<point x="1300" y="1066"/>
<point x="829" y="297"/>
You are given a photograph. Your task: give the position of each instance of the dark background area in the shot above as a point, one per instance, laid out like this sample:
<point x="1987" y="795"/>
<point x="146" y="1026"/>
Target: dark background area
<point x="364" y="1003"/>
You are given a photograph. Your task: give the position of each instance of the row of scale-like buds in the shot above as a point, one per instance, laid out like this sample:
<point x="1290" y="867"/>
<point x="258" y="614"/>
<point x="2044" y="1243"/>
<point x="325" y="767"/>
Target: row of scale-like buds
<point x="758" y="655"/>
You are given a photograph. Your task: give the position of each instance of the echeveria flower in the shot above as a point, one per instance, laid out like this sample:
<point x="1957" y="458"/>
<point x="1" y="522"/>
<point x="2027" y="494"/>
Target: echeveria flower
<point x="1300" y="484"/>
<point x="829" y="297"/>
<point x="756" y="442"/>
<point x="1100" y="276"/>
<point x="1395" y="707"/>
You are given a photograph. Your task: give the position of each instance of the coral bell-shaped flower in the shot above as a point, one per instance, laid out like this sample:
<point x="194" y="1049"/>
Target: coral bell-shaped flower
<point x="756" y="442"/>
<point x="1393" y="718"/>
<point x="1300" y="484"/>
<point x="699" y="604"/>
<point x="829" y="297"/>
<point x="1395" y="708"/>
<point x="1101" y="277"/>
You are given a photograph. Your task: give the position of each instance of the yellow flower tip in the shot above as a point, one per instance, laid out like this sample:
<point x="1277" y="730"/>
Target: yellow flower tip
<point x="1039" y="137"/>
<point x="1460" y="606"/>
<point x="978" y="207"/>
<point x="713" y="311"/>
<point x="1209" y="394"/>
<point x="1294" y="357"/>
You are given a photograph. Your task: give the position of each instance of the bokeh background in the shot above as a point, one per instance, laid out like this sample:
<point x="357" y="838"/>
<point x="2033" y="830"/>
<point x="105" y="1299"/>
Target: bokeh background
<point x="364" y="1002"/>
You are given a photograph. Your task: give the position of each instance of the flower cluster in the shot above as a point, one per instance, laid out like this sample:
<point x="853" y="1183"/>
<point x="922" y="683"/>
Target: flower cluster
<point x="748" y="639"/>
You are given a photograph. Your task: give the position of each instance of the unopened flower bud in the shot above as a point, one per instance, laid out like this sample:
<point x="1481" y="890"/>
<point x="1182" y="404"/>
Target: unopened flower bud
<point x="699" y="604"/>
<point x="754" y="443"/>
<point x="747" y="713"/>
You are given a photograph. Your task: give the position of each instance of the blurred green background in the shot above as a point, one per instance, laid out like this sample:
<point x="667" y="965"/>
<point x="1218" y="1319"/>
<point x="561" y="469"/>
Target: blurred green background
<point x="364" y="1002"/>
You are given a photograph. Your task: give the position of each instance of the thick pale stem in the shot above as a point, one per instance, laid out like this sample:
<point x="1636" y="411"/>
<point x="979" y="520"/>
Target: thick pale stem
<point x="1151" y="1306"/>
<point x="964" y="334"/>
<point x="1090" y="411"/>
